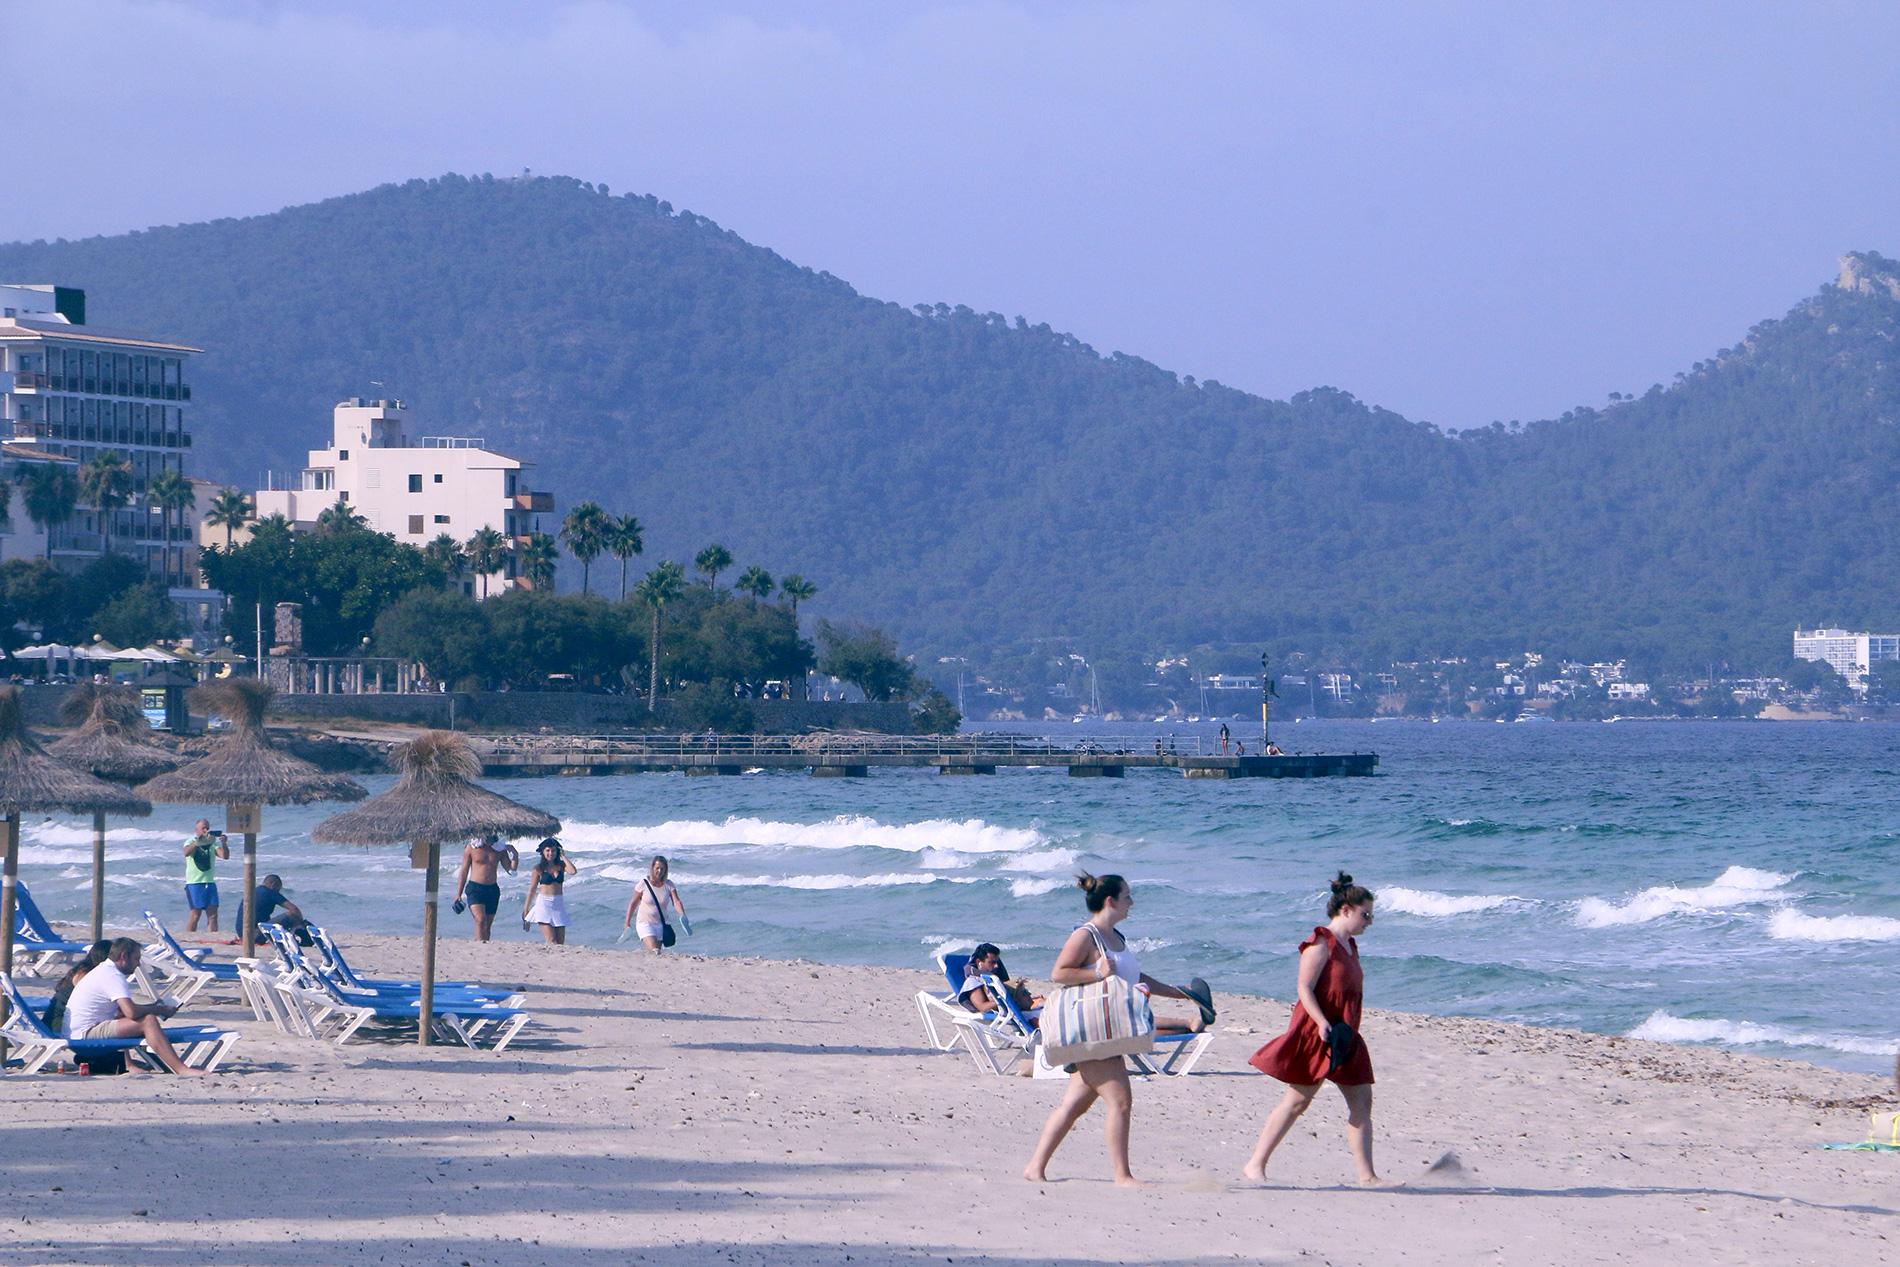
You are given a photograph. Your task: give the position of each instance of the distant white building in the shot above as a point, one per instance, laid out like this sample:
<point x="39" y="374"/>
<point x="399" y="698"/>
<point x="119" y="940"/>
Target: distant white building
<point x="1849" y="654"/>
<point x="1629" y="690"/>
<point x="71" y="390"/>
<point x="413" y="491"/>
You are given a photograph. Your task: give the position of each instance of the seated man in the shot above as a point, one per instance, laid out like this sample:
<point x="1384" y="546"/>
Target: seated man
<point x="987" y="960"/>
<point x="274" y="907"/>
<point x="101" y="1006"/>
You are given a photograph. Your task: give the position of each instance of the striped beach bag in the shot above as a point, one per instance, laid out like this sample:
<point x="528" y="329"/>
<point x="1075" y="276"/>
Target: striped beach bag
<point x="1095" y="1022"/>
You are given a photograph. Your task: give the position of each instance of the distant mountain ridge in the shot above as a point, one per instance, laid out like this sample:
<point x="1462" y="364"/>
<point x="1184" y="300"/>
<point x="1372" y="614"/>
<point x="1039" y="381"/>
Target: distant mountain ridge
<point x="972" y="481"/>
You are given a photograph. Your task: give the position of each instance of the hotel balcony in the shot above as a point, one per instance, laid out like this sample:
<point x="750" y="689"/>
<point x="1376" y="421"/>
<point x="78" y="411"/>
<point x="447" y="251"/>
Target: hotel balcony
<point x="538" y="502"/>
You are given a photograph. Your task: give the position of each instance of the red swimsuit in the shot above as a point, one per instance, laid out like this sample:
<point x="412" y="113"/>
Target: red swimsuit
<point x="1299" y="1055"/>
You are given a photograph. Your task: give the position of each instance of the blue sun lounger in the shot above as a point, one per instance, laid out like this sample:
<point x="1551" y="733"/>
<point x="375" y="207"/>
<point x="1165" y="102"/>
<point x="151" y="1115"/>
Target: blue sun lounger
<point x="346" y="976"/>
<point x="201" y="1046"/>
<point x="32" y="934"/>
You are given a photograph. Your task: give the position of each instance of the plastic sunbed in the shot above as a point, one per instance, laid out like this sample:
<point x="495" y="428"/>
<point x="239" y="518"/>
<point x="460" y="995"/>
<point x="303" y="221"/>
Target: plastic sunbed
<point x="200" y="1046"/>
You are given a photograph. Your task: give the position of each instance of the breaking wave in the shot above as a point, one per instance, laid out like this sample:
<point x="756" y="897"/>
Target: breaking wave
<point x="846" y="831"/>
<point x="1437" y="905"/>
<point x="1661" y="1027"/>
<point x="1794" y="926"/>
<point x="1737" y="886"/>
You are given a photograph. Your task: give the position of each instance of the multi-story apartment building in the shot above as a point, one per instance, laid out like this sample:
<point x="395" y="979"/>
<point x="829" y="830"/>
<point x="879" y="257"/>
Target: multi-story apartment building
<point x="70" y="390"/>
<point x="413" y="491"/>
<point x="1849" y="654"/>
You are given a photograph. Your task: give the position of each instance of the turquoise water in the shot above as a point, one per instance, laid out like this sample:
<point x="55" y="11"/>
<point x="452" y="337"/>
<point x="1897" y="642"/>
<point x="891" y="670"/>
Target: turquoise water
<point x="1691" y="882"/>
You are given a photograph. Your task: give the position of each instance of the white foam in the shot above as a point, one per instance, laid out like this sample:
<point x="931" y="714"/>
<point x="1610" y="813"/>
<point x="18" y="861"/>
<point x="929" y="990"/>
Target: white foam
<point x="1794" y="926"/>
<point x="888" y="880"/>
<point x="1661" y="1027"/>
<point x="1737" y="886"/>
<point x="1036" y="887"/>
<point x="846" y="831"/>
<point x="1426" y="902"/>
<point x="53" y="832"/>
<point x="1042" y="860"/>
<point x="1144" y="944"/>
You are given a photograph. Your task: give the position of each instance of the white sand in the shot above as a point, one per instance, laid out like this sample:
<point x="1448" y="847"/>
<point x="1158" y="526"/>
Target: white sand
<point x="682" y="1110"/>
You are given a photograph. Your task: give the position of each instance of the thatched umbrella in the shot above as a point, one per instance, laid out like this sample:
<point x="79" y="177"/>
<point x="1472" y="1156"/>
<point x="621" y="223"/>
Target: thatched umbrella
<point x="434" y="800"/>
<point x="110" y="743"/>
<point x="244" y="772"/>
<point x="31" y="782"/>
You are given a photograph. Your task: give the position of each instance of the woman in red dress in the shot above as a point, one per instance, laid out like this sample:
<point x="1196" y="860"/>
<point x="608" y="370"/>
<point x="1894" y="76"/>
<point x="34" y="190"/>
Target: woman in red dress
<point x="1331" y="991"/>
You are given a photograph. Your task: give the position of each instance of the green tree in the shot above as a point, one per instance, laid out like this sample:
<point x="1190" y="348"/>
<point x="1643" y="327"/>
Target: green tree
<point x="446" y="552"/>
<point x="755" y="581"/>
<point x="6" y="503"/>
<point x="795" y="589"/>
<point x="487" y="552"/>
<point x="586" y="531"/>
<point x="230" y="510"/>
<point x="663" y="585"/>
<point x="533" y="633"/>
<point x="866" y="658"/>
<point x="538" y="559"/>
<point x="137" y="617"/>
<point x="106" y="483"/>
<point x="174" y="495"/>
<point x="624" y="540"/>
<point x="711" y="561"/>
<point x="52" y="495"/>
<point x="339" y="519"/>
<point x="447" y="632"/>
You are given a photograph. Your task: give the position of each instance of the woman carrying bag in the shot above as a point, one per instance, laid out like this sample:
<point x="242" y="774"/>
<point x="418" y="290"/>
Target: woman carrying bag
<point x="1103" y="1008"/>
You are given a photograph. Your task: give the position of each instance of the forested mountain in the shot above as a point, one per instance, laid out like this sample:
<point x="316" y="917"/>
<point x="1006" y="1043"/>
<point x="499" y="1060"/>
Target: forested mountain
<point x="971" y="480"/>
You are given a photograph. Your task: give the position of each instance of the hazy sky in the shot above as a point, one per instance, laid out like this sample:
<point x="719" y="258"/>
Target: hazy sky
<point x="1461" y="212"/>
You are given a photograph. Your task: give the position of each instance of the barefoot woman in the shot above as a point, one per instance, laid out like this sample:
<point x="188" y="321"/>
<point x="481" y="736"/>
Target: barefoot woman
<point x="1331" y="990"/>
<point x="1095" y="952"/>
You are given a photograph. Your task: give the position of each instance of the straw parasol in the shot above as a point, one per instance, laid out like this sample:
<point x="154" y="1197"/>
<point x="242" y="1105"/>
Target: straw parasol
<point x="110" y="743"/>
<point x="244" y="772"/>
<point x="435" y="799"/>
<point x="31" y="782"/>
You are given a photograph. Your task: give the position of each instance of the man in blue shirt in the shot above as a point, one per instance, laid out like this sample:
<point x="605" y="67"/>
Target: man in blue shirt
<point x="274" y="907"/>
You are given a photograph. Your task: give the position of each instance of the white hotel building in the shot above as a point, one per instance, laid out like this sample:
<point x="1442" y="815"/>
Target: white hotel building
<point x="413" y="491"/>
<point x="71" y="391"/>
<point x="1850" y="654"/>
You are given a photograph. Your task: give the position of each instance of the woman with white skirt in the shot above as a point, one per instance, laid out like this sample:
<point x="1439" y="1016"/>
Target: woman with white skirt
<point x="546" y="906"/>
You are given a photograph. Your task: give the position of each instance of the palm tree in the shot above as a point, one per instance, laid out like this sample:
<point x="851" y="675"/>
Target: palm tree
<point x="663" y="585"/>
<point x="173" y="494"/>
<point x="796" y="589"/>
<point x="625" y="538"/>
<point x="447" y="553"/>
<point x="538" y="558"/>
<point x="585" y="531"/>
<point x="487" y="551"/>
<point x="339" y="519"/>
<point x="230" y="510"/>
<point x="711" y="561"/>
<point x="52" y="494"/>
<point x="755" y="581"/>
<point x="106" y="482"/>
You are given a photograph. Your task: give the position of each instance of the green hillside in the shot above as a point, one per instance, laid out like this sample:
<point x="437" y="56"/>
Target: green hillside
<point x="971" y="480"/>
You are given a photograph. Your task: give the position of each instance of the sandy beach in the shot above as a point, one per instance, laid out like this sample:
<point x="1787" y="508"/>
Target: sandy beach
<point x="683" y="1110"/>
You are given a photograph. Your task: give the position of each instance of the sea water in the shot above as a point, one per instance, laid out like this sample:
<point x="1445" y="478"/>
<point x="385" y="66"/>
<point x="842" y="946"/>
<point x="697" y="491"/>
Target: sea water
<point x="1723" y="883"/>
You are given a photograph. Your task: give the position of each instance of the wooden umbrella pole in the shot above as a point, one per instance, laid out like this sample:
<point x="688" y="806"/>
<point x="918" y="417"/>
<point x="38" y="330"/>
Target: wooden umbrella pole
<point x="9" y="879"/>
<point x="425" y="1019"/>
<point x="98" y="873"/>
<point x="250" y="893"/>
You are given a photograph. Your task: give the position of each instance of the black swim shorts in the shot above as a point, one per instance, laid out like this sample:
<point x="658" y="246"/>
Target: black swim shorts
<point x="488" y="895"/>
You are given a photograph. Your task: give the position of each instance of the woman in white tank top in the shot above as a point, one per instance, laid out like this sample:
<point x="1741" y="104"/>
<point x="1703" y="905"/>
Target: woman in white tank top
<point x="1094" y="952"/>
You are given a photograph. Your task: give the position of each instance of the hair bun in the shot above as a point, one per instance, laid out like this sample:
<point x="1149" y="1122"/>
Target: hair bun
<point x="1342" y="883"/>
<point x="1085" y="882"/>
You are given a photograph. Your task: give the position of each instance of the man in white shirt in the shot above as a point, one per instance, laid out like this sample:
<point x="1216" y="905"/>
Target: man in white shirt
<point x="101" y="1006"/>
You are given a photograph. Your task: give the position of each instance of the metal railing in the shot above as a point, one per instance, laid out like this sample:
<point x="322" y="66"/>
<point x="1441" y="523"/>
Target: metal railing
<point x="826" y="747"/>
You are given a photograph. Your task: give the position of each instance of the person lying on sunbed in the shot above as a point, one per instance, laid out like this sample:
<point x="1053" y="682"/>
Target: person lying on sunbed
<point x="987" y="960"/>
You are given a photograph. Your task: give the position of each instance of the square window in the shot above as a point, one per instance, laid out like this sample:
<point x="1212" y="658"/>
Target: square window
<point x="342" y="455"/>
<point x="438" y="479"/>
<point x="441" y="519"/>
<point x="415" y="483"/>
<point x="415" y="525"/>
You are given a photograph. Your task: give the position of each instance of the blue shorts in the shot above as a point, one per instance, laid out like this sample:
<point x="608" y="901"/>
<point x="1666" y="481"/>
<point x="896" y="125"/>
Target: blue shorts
<point x="202" y="897"/>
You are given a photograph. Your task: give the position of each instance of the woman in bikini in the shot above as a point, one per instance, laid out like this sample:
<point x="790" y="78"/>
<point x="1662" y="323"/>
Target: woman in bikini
<point x="546" y="904"/>
<point x="646" y="910"/>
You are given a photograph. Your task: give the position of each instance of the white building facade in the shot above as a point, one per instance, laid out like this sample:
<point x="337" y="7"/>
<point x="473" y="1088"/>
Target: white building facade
<point x="1849" y="654"/>
<point x="415" y="491"/>
<point x="73" y="391"/>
